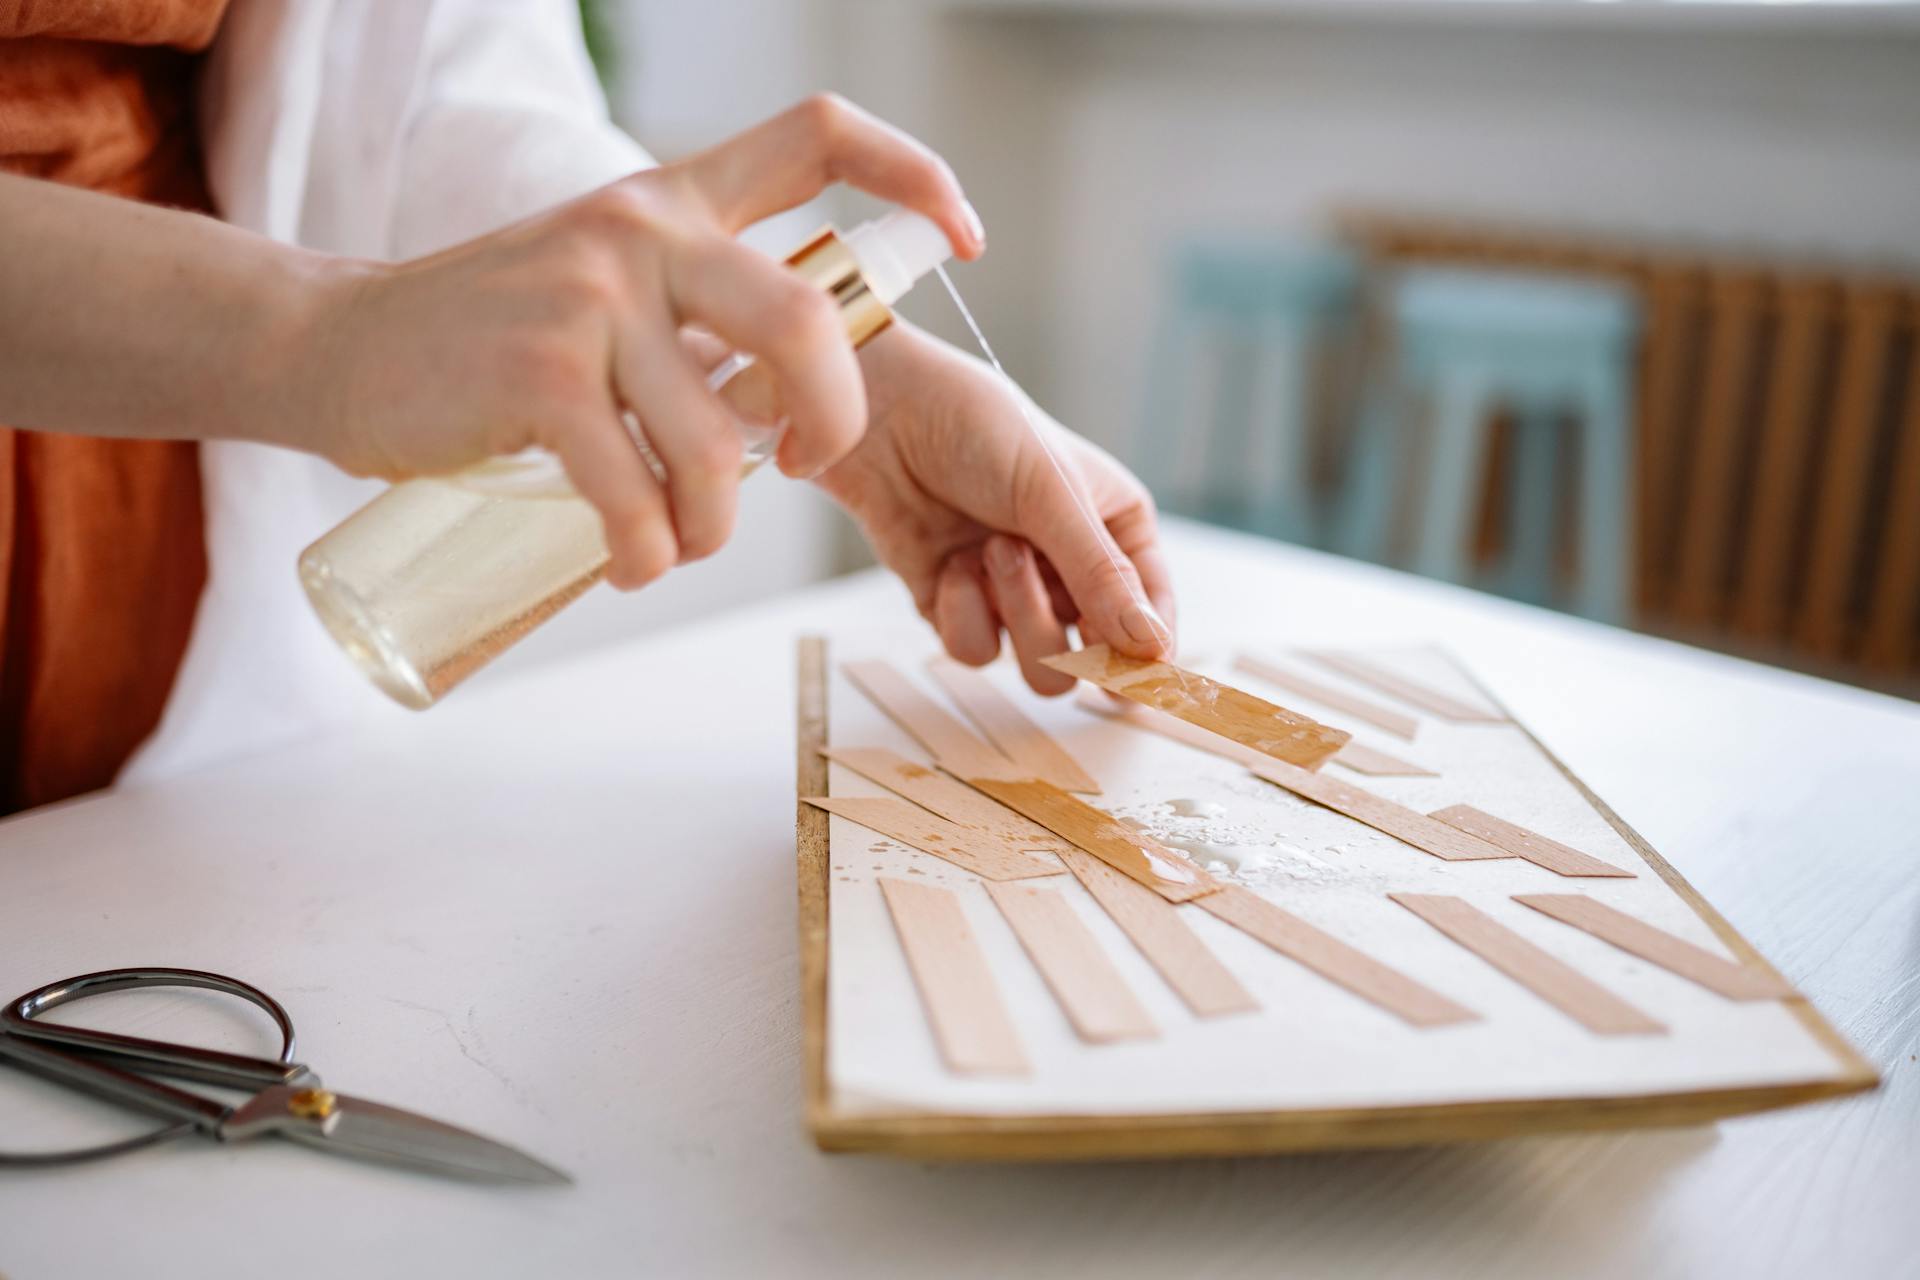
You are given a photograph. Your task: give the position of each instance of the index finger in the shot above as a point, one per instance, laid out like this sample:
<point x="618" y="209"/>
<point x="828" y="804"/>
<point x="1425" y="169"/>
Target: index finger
<point x="791" y="158"/>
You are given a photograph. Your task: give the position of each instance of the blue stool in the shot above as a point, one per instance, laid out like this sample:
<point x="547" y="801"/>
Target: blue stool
<point x="1544" y="348"/>
<point x="1267" y="310"/>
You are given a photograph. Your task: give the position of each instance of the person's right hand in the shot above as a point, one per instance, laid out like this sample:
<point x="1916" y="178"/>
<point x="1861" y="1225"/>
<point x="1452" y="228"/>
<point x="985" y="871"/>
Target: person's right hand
<point x="542" y="333"/>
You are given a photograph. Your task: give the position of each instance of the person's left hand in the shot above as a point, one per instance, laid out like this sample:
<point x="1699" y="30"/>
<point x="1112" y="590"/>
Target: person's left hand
<point x="958" y="498"/>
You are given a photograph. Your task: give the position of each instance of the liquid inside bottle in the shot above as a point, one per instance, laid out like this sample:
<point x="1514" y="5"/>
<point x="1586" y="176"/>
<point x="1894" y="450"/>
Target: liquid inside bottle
<point x="437" y="577"/>
<point x="412" y="587"/>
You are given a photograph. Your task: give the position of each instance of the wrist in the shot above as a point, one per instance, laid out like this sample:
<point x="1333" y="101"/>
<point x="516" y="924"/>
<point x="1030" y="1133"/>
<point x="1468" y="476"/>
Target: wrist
<point x="299" y="356"/>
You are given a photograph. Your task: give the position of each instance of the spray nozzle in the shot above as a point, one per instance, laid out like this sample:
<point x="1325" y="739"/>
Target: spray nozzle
<point x="896" y="249"/>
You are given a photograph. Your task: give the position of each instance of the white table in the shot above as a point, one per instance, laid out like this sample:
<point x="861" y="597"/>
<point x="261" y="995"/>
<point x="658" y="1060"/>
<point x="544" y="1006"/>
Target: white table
<point x="560" y="909"/>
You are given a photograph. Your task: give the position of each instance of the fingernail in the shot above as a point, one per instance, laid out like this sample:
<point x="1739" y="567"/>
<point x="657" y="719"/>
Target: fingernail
<point x="975" y="228"/>
<point x="1003" y="560"/>
<point x="1146" y="627"/>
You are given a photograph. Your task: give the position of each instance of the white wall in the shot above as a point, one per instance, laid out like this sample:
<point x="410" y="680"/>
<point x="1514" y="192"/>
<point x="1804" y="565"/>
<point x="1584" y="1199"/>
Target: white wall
<point x="1115" y="126"/>
<point x="1089" y="133"/>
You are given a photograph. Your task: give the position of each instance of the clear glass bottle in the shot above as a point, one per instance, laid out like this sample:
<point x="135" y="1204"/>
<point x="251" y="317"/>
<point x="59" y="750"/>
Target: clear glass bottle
<point x="436" y="577"/>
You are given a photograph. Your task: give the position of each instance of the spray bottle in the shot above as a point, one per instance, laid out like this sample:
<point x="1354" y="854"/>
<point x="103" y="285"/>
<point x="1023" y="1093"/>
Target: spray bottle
<point x="438" y="576"/>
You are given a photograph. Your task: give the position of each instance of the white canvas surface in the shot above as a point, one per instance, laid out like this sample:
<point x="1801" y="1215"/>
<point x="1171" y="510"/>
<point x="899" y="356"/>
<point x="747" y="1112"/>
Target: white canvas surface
<point x="1312" y="1044"/>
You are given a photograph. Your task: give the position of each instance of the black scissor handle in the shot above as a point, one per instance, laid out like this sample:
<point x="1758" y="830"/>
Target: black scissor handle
<point x="154" y="1056"/>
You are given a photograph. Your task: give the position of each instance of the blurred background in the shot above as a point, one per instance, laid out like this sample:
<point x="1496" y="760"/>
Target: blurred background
<point x="1607" y="306"/>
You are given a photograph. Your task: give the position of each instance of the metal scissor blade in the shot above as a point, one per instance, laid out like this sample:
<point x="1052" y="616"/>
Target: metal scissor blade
<point x="355" y="1127"/>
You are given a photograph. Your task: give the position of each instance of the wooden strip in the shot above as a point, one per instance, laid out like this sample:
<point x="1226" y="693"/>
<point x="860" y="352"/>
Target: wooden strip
<point x="964" y="847"/>
<point x="1131" y="852"/>
<point x="1090" y="990"/>
<point x="970" y="1022"/>
<point x="1737" y="310"/>
<point x="952" y="800"/>
<point x="1009" y="729"/>
<point x="1696" y="964"/>
<point x="1559" y="984"/>
<point x="1531" y="845"/>
<point x="949" y="742"/>
<point x="1199" y="700"/>
<point x="1668" y="393"/>
<point x="1893" y="606"/>
<point x="1364" y="759"/>
<point x="1394" y="722"/>
<point x="1408" y="691"/>
<point x="1155" y="926"/>
<point x="1334" y="960"/>
<point x="1382" y="814"/>
<point x="1354" y="755"/>
<point x="813" y="859"/>
<point x="1826" y="625"/>
<point x="1786" y="453"/>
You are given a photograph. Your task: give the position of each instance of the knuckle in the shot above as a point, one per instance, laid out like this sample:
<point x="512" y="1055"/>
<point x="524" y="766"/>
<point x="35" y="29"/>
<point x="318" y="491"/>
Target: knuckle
<point x="825" y="115"/>
<point x="619" y="208"/>
<point x="548" y="369"/>
<point x="803" y="317"/>
<point x="708" y="537"/>
<point x="649" y="548"/>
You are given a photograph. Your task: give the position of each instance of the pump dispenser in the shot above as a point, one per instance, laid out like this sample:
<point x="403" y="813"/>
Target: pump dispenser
<point x="438" y="576"/>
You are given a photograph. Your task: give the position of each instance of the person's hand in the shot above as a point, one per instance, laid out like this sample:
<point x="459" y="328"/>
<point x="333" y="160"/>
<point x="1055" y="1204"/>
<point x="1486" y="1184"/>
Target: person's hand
<point x="959" y="499"/>
<point x="542" y="333"/>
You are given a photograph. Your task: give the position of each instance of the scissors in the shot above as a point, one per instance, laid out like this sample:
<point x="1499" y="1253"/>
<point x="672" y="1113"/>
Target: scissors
<point x="287" y="1099"/>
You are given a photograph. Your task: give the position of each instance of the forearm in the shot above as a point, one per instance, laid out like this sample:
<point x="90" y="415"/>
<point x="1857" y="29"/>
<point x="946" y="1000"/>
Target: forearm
<point x="122" y="319"/>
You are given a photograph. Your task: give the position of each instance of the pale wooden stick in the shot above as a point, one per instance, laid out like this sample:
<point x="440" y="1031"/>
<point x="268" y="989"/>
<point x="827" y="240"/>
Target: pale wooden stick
<point x="965" y="847"/>
<point x="1155" y="926"/>
<point x="970" y="1022"/>
<point x="1558" y="983"/>
<point x="1733" y="980"/>
<point x="1382" y="814"/>
<point x="1398" y="686"/>
<point x="1134" y="853"/>
<point x="949" y="742"/>
<point x="1008" y="727"/>
<point x="1531" y="845"/>
<point x="953" y="800"/>
<point x="1334" y="960"/>
<point x="1090" y="990"/>
<point x="1205" y="702"/>
<point x="1394" y="722"/>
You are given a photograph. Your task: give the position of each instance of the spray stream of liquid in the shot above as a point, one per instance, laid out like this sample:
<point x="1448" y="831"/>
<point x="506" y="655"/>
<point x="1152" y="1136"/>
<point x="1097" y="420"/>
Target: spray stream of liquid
<point x="1095" y="525"/>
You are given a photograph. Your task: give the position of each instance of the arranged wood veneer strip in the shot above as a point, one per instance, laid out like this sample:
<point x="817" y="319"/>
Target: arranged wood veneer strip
<point x="970" y="1022"/>
<point x="1155" y="927"/>
<point x="1205" y="702"/>
<point x="1531" y="845"/>
<point x="1382" y="814"/>
<point x="1559" y="984"/>
<point x="1095" y="997"/>
<point x="1009" y="729"/>
<point x="1394" y="722"/>
<point x="1729" y="978"/>
<point x="1361" y="759"/>
<point x="1364" y="759"/>
<point x="965" y="847"/>
<point x="1131" y="852"/>
<point x="955" y="801"/>
<point x="1334" y="960"/>
<point x="948" y="741"/>
<point x="1398" y="686"/>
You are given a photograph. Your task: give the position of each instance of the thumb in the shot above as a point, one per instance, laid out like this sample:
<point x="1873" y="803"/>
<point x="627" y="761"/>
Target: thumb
<point x="1104" y="583"/>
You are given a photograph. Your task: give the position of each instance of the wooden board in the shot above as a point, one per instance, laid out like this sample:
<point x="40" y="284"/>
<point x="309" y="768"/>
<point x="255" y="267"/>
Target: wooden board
<point x="839" y="1124"/>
